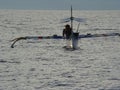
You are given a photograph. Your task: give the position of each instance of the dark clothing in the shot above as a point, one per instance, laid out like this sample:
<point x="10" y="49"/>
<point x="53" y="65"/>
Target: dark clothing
<point x="67" y="33"/>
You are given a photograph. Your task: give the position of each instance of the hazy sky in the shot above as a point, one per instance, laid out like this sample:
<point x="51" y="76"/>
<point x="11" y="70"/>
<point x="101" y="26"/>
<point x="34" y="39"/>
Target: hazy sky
<point x="61" y="4"/>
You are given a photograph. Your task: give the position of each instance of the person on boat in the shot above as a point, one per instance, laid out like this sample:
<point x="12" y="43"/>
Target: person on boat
<point x="67" y="32"/>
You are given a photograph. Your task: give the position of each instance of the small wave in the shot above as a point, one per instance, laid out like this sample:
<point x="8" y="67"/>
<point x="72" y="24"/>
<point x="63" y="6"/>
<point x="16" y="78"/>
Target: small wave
<point x="112" y="88"/>
<point x="56" y="83"/>
<point x="3" y="61"/>
<point x="103" y="29"/>
<point x="118" y="79"/>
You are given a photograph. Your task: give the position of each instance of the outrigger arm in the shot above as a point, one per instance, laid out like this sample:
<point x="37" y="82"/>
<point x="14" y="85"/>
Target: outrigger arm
<point x="17" y="39"/>
<point x="60" y="37"/>
<point x="34" y="38"/>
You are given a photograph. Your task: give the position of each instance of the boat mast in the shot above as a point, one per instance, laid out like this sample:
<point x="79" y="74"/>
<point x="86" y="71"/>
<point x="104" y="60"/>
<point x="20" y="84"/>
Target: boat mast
<point x="71" y="18"/>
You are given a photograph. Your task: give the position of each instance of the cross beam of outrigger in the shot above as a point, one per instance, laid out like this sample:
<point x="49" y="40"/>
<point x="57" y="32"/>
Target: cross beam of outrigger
<point x="61" y="37"/>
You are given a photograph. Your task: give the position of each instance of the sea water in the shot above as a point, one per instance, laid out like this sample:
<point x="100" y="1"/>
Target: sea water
<point x="45" y="65"/>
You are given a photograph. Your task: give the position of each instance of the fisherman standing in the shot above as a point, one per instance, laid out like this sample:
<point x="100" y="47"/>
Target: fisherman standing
<point x="67" y="32"/>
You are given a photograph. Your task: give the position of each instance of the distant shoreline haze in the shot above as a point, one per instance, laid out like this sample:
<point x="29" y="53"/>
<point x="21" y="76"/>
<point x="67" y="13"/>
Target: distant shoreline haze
<point x="60" y="4"/>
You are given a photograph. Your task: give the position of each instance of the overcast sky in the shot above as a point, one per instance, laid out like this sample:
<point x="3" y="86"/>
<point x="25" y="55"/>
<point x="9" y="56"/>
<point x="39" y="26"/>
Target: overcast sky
<point x="61" y="4"/>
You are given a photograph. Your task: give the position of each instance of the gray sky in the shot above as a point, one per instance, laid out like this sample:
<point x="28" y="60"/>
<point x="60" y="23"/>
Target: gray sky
<point x="61" y="4"/>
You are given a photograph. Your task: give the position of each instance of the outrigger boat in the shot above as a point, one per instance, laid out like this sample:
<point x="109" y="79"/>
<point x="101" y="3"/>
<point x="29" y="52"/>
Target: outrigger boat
<point x="71" y="44"/>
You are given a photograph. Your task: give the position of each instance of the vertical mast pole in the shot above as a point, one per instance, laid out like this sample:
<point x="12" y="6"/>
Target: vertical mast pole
<point x="71" y="18"/>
